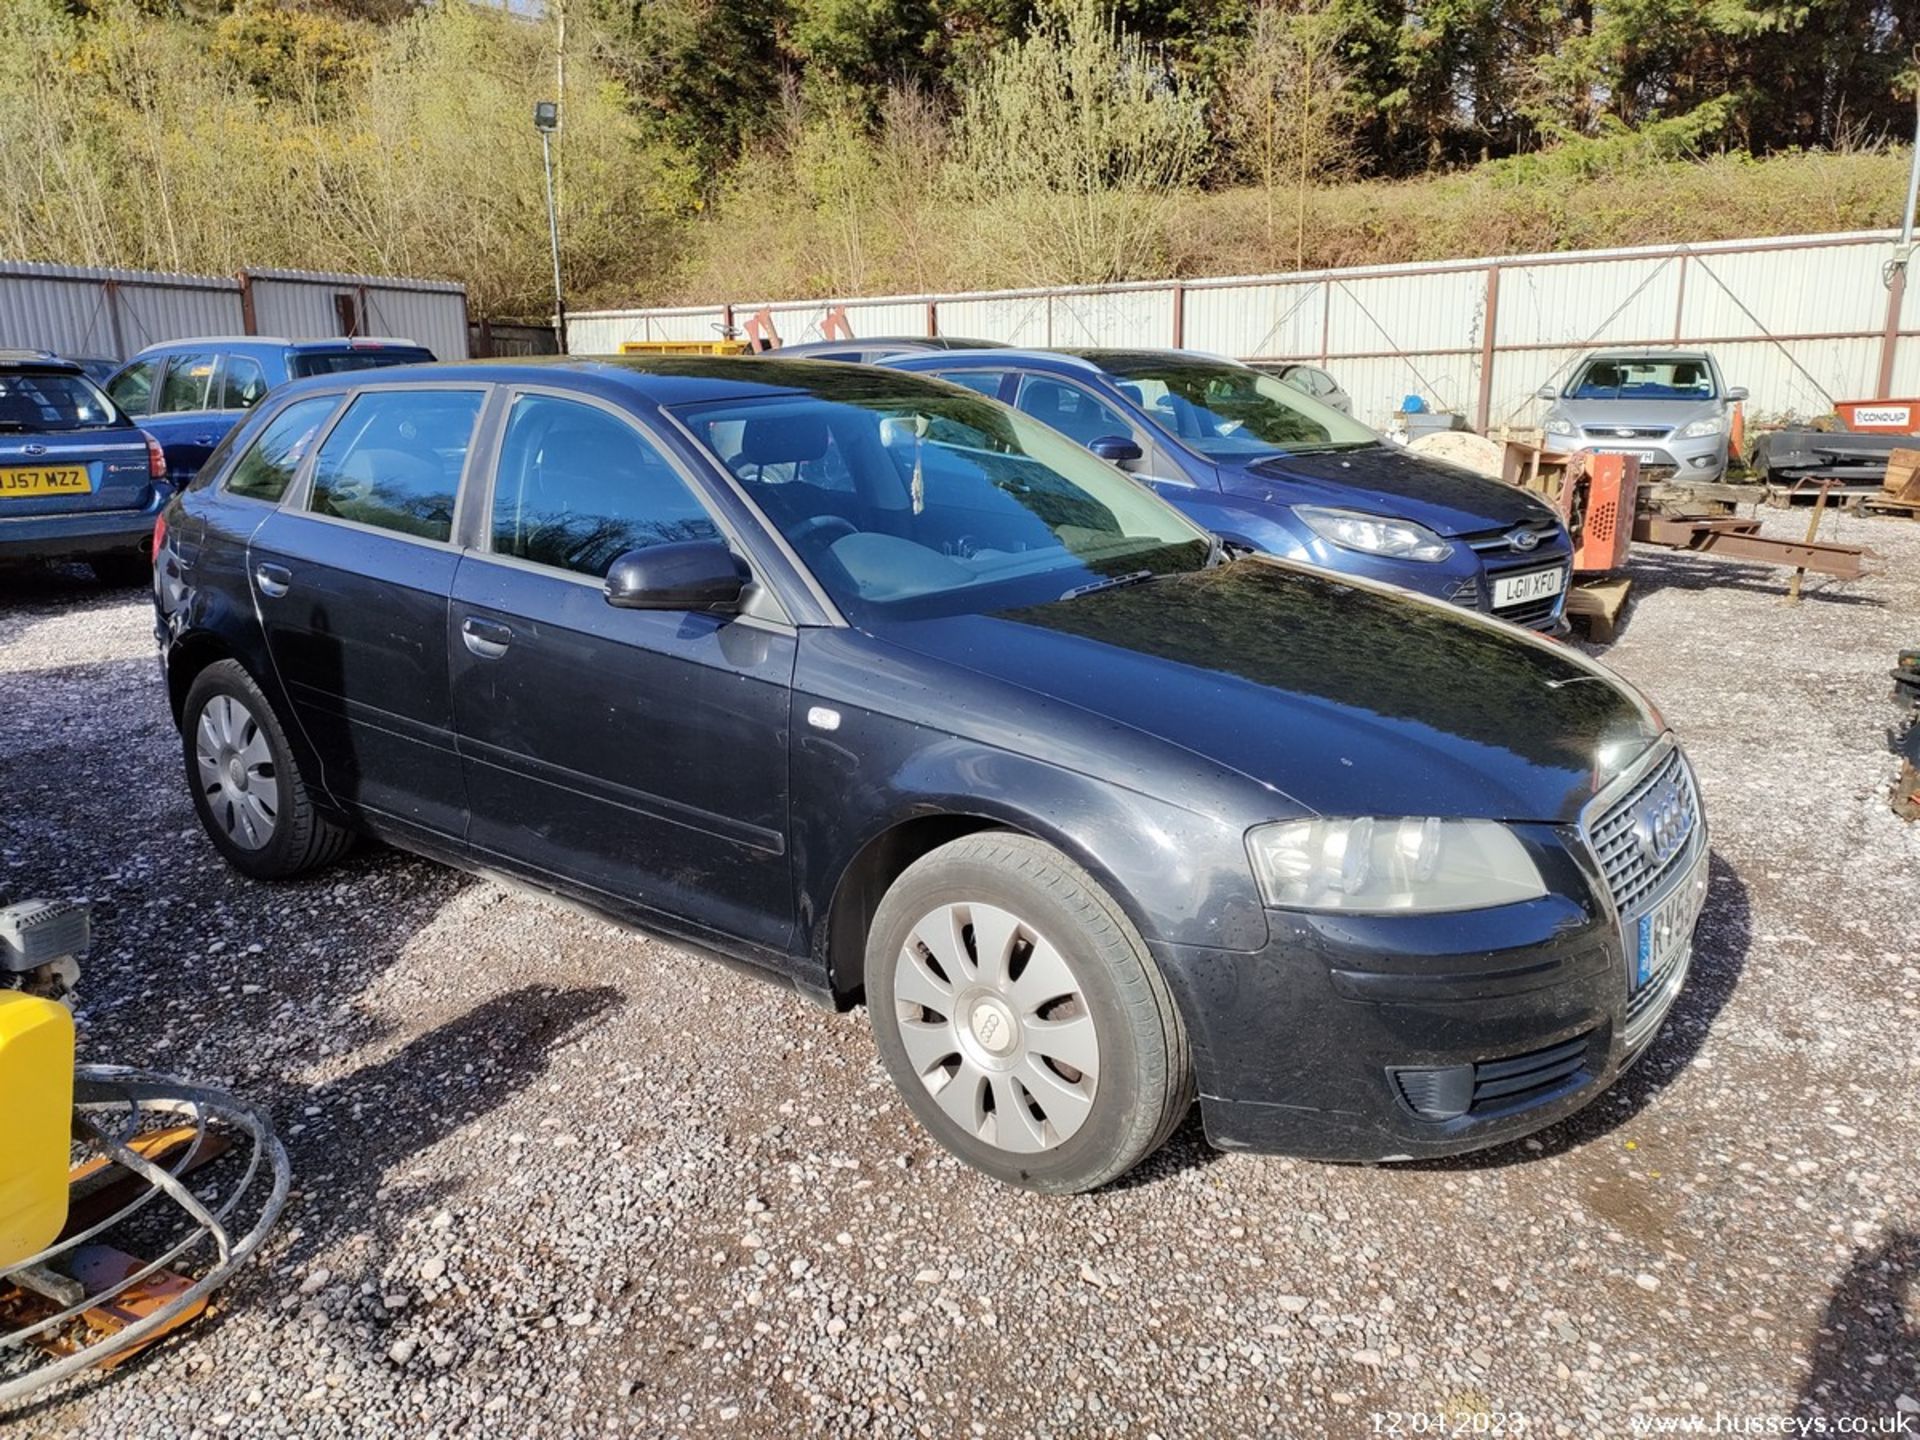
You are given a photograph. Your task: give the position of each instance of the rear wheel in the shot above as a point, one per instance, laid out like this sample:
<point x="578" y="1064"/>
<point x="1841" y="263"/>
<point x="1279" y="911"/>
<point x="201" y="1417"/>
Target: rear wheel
<point x="1022" y="1016"/>
<point x="246" y="785"/>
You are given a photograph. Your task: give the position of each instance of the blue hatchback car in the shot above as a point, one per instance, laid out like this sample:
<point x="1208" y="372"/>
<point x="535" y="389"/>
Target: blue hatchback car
<point x="1267" y="467"/>
<point x="78" y="479"/>
<point x="190" y="393"/>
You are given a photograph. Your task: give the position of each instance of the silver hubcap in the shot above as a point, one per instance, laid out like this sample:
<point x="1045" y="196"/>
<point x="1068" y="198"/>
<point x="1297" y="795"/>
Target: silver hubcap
<point x="236" y="772"/>
<point x="996" y="1027"/>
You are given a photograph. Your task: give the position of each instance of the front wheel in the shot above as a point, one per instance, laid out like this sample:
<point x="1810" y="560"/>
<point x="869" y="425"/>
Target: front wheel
<point x="1022" y="1017"/>
<point x="247" y="787"/>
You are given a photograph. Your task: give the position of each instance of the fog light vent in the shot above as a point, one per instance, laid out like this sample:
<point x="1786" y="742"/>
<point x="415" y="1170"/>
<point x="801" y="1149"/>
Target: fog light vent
<point x="1436" y="1094"/>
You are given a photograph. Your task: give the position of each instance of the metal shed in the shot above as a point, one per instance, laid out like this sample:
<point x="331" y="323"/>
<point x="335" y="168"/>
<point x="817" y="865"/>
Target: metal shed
<point x="83" y="311"/>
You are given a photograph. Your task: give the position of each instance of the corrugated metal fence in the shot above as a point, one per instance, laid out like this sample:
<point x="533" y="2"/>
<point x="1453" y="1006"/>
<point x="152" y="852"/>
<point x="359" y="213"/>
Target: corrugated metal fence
<point x="1800" y="321"/>
<point x="113" y="313"/>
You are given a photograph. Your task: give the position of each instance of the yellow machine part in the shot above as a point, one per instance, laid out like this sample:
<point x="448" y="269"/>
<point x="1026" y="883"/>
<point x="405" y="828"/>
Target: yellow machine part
<point x="36" y="1122"/>
<point x="683" y="347"/>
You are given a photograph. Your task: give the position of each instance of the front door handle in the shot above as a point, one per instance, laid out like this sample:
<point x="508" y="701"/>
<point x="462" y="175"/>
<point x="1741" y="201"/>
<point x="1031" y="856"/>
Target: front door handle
<point x="206" y="439"/>
<point x="486" y="638"/>
<point x="273" y="580"/>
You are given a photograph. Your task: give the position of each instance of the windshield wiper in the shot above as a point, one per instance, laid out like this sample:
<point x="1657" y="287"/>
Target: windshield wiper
<point x="1132" y="578"/>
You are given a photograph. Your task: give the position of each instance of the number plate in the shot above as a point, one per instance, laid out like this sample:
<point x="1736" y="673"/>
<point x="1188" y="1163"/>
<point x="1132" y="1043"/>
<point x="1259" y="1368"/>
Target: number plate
<point x="1645" y="457"/>
<point x="1667" y="928"/>
<point x="20" y="481"/>
<point x="1533" y="585"/>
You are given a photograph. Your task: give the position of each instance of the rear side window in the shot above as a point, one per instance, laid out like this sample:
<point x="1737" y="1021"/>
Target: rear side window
<point x="189" y="383"/>
<point x="395" y="458"/>
<point x="577" y="488"/>
<point x="245" y="384"/>
<point x="987" y="382"/>
<point x="265" y="470"/>
<point x="133" y="388"/>
<point x="46" y="401"/>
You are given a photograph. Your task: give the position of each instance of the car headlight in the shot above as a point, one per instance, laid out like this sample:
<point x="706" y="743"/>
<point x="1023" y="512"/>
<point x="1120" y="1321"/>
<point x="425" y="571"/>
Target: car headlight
<point x="1712" y="425"/>
<point x="1377" y="865"/>
<point x="1557" y="425"/>
<point x="1375" y="534"/>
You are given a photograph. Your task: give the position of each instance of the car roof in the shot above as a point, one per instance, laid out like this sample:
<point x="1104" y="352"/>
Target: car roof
<point x="38" y="360"/>
<point x="662" y="380"/>
<point x="1648" y="353"/>
<point x="336" y="342"/>
<point x="1060" y="360"/>
<point x="876" y="342"/>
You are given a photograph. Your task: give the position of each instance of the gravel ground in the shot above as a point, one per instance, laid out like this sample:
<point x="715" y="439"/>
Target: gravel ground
<point x="554" y="1178"/>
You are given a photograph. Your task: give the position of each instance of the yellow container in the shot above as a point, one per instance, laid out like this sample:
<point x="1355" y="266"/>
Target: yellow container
<point x="36" y="1122"/>
<point x="683" y="347"/>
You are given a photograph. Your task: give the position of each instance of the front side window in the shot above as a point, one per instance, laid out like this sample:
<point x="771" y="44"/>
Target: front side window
<point x="189" y="383"/>
<point x="576" y="488"/>
<point x="1625" y="379"/>
<point x="265" y="470"/>
<point x="1226" y="411"/>
<point x="245" y="383"/>
<point x="133" y="388"/>
<point x="41" y="402"/>
<point x="1070" y="410"/>
<point x="953" y="505"/>
<point x="394" y="460"/>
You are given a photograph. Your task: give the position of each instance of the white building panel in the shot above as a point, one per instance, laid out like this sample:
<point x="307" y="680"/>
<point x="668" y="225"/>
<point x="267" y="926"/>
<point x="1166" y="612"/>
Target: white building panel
<point x="1286" y="320"/>
<point x="1442" y="310"/>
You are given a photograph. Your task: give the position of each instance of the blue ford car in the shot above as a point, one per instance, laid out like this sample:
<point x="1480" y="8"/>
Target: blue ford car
<point x="189" y="393"/>
<point x="899" y="694"/>
<point x="1267" y="467"/>
<point x="78" y="479"/>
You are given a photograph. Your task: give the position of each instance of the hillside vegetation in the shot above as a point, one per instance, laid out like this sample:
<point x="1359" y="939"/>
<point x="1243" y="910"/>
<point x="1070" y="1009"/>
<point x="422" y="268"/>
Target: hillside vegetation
<point x="768" y="148"/>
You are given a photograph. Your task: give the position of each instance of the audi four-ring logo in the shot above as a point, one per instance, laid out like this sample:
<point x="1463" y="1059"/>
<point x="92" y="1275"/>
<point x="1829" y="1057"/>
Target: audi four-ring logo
<point x="1661" y="824"/>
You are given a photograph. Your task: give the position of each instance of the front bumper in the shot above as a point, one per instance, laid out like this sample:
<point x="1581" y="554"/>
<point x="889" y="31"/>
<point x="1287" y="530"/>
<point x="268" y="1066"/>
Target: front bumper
<point x="1325" y="1044"/>
<point x="1668" y="457"/>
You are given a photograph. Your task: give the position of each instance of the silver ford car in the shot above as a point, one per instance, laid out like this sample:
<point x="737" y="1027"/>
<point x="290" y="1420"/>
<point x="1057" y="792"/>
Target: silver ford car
<point x="1671" y="409"/>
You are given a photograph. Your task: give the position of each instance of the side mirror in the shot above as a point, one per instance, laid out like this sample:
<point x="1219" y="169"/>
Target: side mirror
<point x="1115" y="449"/>
<point x="687" y="575"/>
<point x="1547" y="392"/>
<point x="1736" y="392"/>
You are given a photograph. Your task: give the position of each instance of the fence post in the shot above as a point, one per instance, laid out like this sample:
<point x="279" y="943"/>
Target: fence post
<point x="248" y="324"/>
<point x="933" y="318"/>
<point x="1890" y="336"/>
<point x="113" y="320"/>
<point x="1179" y="316"/>
<point x="1483" y="409"/>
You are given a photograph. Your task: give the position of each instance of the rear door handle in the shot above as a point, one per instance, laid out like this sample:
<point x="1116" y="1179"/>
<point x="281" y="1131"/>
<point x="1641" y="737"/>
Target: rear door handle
<point x="273" y="580"/>
<point x="205" y="439"/>
<point x="486" y="638"/>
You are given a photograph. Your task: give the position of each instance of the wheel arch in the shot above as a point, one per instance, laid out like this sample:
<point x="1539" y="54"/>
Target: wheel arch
<point x="841" y="936"/>
<point x="187" y="657"/>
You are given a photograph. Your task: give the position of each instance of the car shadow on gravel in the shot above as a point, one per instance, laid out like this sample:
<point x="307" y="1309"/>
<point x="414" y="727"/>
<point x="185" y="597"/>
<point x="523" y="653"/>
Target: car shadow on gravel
<point x="1866" y="1353"/>
<point x="1720" y="955"/>
<point x="349" y="1158"/>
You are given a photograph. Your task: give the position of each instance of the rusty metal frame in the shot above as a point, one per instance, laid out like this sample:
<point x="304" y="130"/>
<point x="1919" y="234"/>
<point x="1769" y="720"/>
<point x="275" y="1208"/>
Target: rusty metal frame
<point x="1742" y="540"/>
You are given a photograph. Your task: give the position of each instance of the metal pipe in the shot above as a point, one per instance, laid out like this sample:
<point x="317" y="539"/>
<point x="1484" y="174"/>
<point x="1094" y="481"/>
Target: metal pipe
<point x="1913" y="176"/>
<point x="553" y="237"/>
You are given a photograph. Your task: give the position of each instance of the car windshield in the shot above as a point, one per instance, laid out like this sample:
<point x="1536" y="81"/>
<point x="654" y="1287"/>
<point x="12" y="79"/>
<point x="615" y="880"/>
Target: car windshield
<point x="909" y="499"/>
<point x="334" y="362"/>
<point x="1622" y="379"/>
<point x="1229" y="412"/>
<point x="53" y="400"/>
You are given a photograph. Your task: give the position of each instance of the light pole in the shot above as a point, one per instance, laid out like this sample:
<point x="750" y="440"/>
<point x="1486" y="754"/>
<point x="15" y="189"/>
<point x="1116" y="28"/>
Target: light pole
<point x="546" y="119"/>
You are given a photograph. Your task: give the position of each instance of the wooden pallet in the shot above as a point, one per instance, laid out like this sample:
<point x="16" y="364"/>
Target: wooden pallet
<point x="1597" y="606"/>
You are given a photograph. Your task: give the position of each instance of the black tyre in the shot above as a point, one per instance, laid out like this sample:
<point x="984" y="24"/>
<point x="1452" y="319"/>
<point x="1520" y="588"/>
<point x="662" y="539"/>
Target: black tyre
<point x="1023" y="1018"/>
<point x="246" y="785"/>
<point x="120" y="568"/>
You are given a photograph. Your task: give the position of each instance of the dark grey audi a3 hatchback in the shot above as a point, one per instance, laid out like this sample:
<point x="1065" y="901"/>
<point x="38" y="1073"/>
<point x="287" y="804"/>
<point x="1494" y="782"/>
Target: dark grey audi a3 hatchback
<point x="889" y="690"/>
